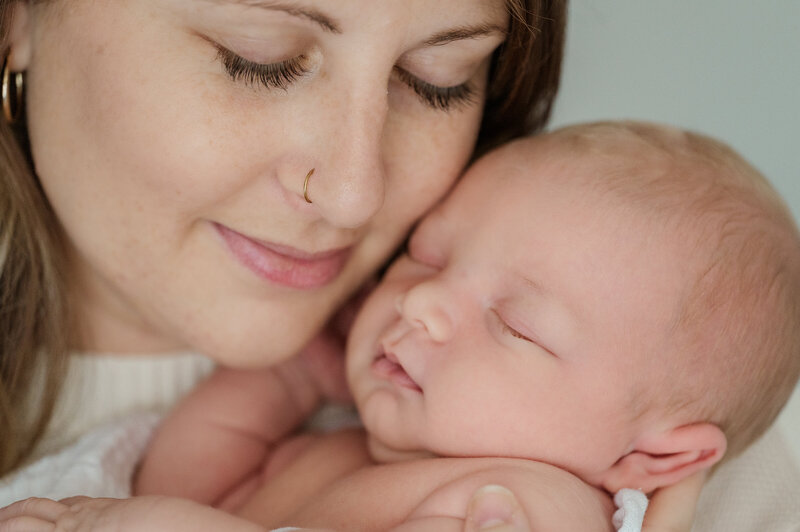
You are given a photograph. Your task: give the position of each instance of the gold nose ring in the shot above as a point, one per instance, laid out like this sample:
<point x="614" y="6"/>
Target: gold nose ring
<point x="305" y="186"/>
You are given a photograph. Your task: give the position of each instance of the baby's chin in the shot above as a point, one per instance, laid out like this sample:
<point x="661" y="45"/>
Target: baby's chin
<point x="384" y="454"/>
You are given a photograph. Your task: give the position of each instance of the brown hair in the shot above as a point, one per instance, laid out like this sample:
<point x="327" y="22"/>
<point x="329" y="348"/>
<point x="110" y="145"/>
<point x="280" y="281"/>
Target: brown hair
<point x="33" y="313"/>
<point x="526" y="71"/>
<point x="34" y="323"/>
<point x="736" y="329"/>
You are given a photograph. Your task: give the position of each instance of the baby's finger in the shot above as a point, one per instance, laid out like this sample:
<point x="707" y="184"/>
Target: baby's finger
<point x="496" y="509"/>
<point x="43" y="509"/>
<point x="26" y="523"/>
<point x="673" y="508"/>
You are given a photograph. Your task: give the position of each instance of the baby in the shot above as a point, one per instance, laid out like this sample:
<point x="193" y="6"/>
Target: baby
<point x="609" y="305"/>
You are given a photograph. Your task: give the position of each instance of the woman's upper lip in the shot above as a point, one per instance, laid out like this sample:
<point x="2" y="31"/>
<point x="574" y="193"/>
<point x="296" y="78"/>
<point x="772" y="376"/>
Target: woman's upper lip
<point x="299" y="254"/>
<point x="285" y="265"/>
<point x="293" y="252"/>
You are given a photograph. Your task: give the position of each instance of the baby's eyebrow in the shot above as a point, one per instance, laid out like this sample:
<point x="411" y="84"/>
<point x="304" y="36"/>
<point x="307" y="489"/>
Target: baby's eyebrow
<point x="534" y="284"/>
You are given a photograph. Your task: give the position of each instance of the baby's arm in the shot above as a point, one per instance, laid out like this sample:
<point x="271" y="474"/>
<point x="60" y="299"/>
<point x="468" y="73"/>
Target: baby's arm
<point x="218" y="438"/>
<point x="491" y="507"/>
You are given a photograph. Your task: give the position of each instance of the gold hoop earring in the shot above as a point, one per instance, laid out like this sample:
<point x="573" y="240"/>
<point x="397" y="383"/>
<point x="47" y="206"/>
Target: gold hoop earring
<point x="305" y="186"/>
<point x="12" y="111"/>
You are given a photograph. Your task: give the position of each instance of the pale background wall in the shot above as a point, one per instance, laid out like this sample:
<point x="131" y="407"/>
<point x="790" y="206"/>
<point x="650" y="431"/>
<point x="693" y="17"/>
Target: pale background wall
<point x="728" y="68"/>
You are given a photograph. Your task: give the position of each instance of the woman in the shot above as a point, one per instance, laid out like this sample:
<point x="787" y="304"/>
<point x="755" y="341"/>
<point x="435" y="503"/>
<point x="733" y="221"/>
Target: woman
<point x="221" y="175"/>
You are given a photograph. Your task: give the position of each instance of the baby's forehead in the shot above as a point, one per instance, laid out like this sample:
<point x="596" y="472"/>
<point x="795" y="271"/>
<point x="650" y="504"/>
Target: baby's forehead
<point x="553" y="167"/>
<point x="654" y="174"/>
<point x="559" y="159"/>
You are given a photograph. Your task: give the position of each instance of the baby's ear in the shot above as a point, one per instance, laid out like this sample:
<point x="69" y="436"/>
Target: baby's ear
<point x="662" y="459"/>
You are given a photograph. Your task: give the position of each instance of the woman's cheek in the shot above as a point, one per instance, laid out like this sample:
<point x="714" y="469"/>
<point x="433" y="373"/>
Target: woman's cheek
<point x="433" y="154"/>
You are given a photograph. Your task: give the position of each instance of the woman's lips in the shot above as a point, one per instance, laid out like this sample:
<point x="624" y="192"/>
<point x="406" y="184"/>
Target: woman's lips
<point x="284" y="265"/>
<point x="387" y="367"/>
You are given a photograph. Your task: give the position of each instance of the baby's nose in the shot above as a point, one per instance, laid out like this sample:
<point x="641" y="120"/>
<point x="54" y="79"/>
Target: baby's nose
<point x="425" y="307"/>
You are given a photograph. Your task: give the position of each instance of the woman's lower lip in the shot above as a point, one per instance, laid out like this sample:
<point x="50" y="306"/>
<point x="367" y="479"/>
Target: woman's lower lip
<point x="282" y="265"/>
<point x="384" y="368"/>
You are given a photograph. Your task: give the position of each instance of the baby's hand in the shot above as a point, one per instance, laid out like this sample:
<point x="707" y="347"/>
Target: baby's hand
<point x="491" y="509"/>
<point x="137" y="514"/>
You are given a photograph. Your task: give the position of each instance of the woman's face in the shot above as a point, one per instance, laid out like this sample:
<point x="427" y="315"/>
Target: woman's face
<point x="173" y="137"/>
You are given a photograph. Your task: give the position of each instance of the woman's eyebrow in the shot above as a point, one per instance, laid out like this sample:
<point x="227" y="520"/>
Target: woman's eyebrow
<point x="328" y="24"/>
<point x="466" y="32"/>
<point x="324" y="21"/>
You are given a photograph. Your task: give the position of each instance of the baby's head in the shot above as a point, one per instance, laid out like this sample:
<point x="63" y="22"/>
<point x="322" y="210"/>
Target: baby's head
<point x="619" y="300"/>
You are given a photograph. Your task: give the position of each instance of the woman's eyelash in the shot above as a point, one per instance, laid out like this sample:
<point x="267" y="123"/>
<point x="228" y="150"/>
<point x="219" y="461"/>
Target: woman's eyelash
<point x="281" y="75"/>
<point x="271" y="75"/>
<point x="441" y="98"/>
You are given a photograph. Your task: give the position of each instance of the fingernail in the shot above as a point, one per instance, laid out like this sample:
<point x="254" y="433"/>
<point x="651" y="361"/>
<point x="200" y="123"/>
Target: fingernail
<point x="492" y="506"/>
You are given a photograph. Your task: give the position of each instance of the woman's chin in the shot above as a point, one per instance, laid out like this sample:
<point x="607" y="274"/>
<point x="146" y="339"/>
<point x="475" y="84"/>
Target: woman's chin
<point x="246" y="347"/>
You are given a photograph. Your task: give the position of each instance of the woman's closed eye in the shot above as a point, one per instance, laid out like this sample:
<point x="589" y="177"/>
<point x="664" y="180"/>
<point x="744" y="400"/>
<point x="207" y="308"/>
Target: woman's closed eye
<point x="281" y="74"/>
<point x="440" y="98"/>
<point x="271" y="75"/>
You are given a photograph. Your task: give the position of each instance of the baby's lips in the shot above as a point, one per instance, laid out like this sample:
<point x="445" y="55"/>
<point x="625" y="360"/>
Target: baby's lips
<point x="386" y="368"/>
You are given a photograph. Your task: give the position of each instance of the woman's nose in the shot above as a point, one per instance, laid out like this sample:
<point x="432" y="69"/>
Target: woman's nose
<point x="426" y="306"/>
<point x="348" y="185"/>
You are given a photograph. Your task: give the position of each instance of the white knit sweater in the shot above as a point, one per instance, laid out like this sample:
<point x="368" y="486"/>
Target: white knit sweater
<point x="101" y="388"/>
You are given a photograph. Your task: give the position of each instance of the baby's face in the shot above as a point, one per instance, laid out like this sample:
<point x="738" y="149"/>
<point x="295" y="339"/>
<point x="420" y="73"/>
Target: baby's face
<point x="521" y="323"/>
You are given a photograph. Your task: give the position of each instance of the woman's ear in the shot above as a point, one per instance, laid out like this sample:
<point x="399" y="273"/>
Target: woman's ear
<point x="662" y="459"/>
<point x="19" y="37"/>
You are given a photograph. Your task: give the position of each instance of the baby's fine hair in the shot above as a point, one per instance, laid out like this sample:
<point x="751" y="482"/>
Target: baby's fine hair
<point x="736" y="331"/>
